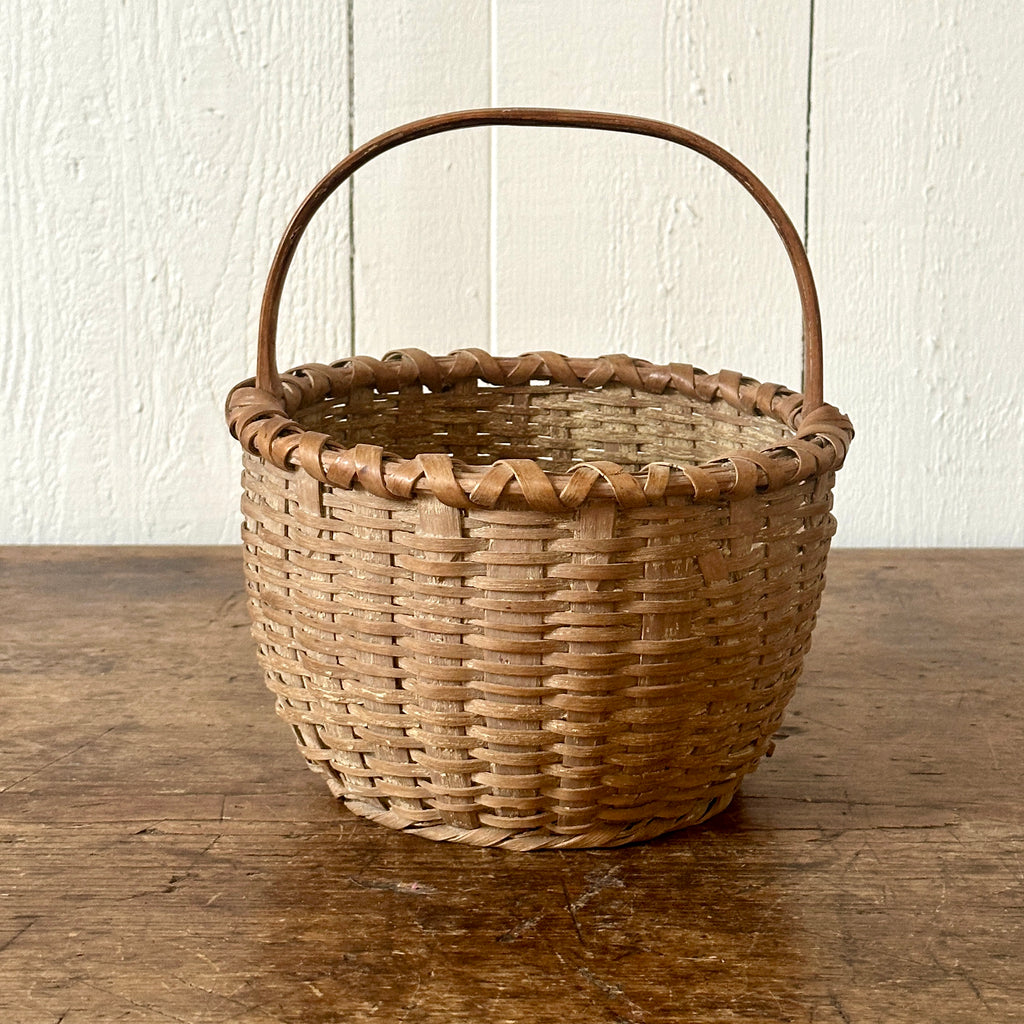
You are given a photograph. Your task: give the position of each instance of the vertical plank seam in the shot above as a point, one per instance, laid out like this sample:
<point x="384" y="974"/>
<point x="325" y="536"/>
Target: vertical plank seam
<point x="807" y="139"/>
<point x="492" y="199"/>
<point x="807" y="123"/>
<point x="350" y="44"/>
<point x="118" y="107"/>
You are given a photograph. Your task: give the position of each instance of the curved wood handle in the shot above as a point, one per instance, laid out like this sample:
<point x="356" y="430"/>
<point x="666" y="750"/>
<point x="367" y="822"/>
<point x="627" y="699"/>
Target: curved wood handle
<point x="267" y="375"/>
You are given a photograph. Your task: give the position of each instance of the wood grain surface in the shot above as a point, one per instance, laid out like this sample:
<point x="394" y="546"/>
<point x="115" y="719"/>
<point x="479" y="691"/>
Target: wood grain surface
<point x="914" y="214"/>
<point x="623" y="244"/>
<point x="166" y="857"/>
<point x="421" y="215"/>
<point x="151" y="155"/>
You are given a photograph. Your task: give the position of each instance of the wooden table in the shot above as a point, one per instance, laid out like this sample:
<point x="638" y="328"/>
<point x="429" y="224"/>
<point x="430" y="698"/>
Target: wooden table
<point x="165" y="855"/>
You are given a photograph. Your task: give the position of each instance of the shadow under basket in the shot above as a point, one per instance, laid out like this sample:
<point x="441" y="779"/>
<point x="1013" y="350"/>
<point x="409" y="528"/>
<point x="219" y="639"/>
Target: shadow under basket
<point x="532" y="602"/>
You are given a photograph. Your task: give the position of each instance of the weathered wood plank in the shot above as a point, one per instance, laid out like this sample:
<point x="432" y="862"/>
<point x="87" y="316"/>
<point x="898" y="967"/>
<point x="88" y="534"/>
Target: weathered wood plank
<point x="165" y="855"/>
<point x="152" y="155"/>
<point x="422" y="211"/>
<point x="611" y="244"/>
<point x="916" y="206"/>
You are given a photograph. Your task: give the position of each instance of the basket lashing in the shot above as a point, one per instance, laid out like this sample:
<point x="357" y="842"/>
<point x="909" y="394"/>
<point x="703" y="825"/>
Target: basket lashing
<point x="265" y="424"/>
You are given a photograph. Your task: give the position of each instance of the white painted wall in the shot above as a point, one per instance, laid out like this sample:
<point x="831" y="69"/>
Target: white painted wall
<point x="153" y="152"/>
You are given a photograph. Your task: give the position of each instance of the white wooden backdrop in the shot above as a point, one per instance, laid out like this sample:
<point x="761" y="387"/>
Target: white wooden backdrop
<point x="153" y="152"/>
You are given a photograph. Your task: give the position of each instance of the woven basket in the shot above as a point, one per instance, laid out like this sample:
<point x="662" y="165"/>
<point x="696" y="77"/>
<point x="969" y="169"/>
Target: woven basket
<point x="536" y="601"/>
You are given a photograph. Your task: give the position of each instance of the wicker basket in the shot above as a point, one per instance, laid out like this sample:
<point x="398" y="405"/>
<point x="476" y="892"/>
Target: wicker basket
<point x="537" y="601"/>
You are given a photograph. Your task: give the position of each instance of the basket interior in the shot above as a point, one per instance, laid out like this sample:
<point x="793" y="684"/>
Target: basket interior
<point x="554" y="425"/>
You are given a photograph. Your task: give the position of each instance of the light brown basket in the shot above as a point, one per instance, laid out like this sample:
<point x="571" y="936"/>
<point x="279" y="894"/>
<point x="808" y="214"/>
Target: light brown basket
<point x="535" y="601"/>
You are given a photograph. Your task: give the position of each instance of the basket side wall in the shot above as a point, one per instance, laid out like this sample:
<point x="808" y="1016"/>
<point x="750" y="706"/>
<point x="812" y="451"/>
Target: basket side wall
<point x="525" y="678"/>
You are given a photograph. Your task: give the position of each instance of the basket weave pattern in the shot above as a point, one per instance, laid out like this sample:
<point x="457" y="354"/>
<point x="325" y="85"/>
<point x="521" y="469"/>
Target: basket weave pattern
<point x="535" y="601"/>
<point x="503" y="674"/>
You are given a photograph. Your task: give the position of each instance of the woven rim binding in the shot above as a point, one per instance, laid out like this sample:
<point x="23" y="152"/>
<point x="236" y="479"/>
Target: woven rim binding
<point x="263" y="424"/>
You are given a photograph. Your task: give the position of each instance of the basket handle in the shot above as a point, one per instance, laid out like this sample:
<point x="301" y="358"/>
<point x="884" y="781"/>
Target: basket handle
<point x="267" y="375"/>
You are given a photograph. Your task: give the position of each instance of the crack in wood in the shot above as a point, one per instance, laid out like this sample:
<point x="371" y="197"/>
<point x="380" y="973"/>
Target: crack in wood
<point x="57" y="760"/>
<point x="386" y="885"/>
<point x="612" y="991"/>
<point x="838" y="1007"/>
<point x="17" y="935"/>
<point x="518" y="930"/>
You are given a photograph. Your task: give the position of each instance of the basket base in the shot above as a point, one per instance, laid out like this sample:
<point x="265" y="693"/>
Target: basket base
<point x="609" y="835"/>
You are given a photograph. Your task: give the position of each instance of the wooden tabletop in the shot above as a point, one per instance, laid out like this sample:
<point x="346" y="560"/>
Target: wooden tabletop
<point x="166" y="856"/>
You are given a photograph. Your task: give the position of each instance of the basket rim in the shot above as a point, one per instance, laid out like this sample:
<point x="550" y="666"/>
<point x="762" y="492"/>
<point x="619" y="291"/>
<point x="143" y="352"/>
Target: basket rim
<point x="264" y="425"/>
